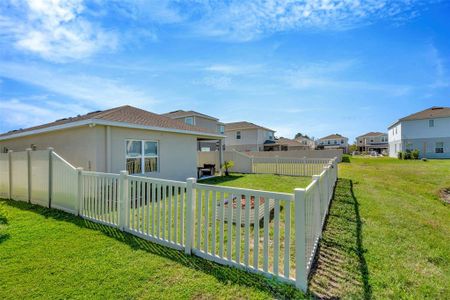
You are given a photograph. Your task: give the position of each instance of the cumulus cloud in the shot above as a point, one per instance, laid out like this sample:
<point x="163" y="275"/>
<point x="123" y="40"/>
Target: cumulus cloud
<point x="56" y="30"/>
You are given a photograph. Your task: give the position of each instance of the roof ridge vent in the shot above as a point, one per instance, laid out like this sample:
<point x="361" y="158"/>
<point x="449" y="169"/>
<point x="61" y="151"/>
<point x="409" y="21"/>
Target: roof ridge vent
<point x="436" y="107"/>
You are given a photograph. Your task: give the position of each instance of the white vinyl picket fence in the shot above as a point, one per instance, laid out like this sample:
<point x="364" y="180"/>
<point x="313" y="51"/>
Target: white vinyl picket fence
<point x="275" y="234"/>
<point x="289" y="166"/>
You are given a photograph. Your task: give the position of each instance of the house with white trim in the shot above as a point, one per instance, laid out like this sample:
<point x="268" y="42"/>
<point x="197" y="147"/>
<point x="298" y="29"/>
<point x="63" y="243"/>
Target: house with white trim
<point x="246" y="136"/>
<point x="210" y="123"/>
<point x="373" y="141"/>
<point x="121" y="138"/>
<point x="427" y="131"/>
<point x="333" y="141"/>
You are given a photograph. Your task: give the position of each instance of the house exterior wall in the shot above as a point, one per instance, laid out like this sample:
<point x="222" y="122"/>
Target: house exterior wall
<point x="334" y="143"/>
<point x="177" y="152"/>
<point x="77" y="145"/>
<point x="251" y="139"/>
<point x="87" y="147"/>
<point x="417" y="134"/>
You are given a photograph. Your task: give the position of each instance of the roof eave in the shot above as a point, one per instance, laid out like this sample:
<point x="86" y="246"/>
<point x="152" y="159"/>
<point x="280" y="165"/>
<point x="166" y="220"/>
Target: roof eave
<point x="110" y="123"/>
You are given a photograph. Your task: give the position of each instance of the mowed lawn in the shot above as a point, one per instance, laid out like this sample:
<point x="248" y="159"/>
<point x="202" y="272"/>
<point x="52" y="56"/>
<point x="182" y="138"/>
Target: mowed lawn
<point x="46" y="253"/>
<point x="388" y="233"/>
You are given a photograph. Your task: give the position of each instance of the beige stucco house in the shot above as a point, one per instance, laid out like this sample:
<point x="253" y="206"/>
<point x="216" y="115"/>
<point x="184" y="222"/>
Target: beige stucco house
<point x="333" y="141"/>
<point x="246" y="136"/>
<point x="373" y="141"/>
<point x="121" y="138"/>
<point x="285" y="144"/>
<point x="210" y="123"/>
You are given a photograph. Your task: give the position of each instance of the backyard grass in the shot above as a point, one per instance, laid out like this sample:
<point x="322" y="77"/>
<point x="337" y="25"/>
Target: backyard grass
<point x="387" y="236"/>
<point x="273" y="183"/>
<point x="388" y="233"/>
<point x="50" y="254"/>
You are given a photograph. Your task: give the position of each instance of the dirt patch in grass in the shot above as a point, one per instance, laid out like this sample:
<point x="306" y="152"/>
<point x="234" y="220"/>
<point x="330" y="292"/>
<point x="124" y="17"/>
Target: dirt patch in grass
<point x="444" y="194"/>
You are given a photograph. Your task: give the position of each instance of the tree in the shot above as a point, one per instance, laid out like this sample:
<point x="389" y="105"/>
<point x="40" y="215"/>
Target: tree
<point x="300" y="135"/>
<point x="227" y="165"/>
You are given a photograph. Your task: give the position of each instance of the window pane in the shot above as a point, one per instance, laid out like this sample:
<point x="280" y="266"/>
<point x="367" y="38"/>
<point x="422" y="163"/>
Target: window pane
<point x="134" y="165"/>
<point x="133" y="148"/>
<point x="151" y="164"/>
<point x="150" y="148"/>
<point x="189" y="120"/>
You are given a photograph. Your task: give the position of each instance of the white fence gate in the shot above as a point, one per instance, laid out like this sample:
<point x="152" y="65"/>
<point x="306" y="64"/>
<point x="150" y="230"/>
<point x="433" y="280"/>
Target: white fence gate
<point x="275" y="234"/>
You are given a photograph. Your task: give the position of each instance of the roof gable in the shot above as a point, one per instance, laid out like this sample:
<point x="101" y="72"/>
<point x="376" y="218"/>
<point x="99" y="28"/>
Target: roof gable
<point x="244" y="125"/>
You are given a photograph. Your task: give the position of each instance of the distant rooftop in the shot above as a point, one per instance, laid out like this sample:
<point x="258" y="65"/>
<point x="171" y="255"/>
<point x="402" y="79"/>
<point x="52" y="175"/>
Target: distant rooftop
<point x="369" y="134"/>
<point x="244" y="125"/>
<point x="187" y="113"/>
<point x="433" y="112"/>
<point x="333" y="136"/>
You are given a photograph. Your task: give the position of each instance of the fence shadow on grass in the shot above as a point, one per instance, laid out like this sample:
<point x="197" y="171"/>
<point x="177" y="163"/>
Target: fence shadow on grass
<point x="222" y="273"/>
<point x="220" y="179"/>
<point x="3" y="223"/>
<point x="340" y="269"/>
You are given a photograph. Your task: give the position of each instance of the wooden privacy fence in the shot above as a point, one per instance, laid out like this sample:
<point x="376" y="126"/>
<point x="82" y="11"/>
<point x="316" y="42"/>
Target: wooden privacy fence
<point x="275" y="234"/>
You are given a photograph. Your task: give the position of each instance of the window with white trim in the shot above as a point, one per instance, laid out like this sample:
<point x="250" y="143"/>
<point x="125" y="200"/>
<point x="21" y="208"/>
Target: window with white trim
<point x="238" y="135"/>
<point x="439" y="147"/>
<point x="141" y="156"/>
<point x="221" y="129"/>
<point x="430" y="123"/>
<point x="189" y="120"/>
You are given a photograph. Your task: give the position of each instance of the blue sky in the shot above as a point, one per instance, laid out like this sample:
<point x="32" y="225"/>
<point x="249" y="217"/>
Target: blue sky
<point x="318" y="67"/>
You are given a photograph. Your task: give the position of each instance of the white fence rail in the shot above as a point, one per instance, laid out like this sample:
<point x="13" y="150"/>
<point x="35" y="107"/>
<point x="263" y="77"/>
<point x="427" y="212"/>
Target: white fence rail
<point x="275" y="234"/>
<point x="289" y="166"/>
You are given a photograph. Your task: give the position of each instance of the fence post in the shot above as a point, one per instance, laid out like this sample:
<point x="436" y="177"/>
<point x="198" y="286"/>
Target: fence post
<point x="10" y="174"/>
<point x="318" y="196"/>
<point x="79" y="204"/>
<point x="50" y="176"/>
<point x="190" y="196"/>
<point x="301" y="276"/>
<point x="252" y="169"/>
<point x="304" y="167"/>
<point x="277" y="167"/>
<point x="28" y="150"/>
<point x="123" y="200"/>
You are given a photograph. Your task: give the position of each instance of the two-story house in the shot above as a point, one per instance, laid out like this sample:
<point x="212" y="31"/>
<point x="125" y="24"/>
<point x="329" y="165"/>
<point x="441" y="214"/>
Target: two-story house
<point x="246" y="136"/>
<point x="194" y="118"/>
<point x="427" y="131"/>
<point x="373" y="141"/>
<point x="333" y="141"/>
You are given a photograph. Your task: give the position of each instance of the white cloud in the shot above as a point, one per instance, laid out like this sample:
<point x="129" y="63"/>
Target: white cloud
<point x="217" y="82"/>
<point x="56" y="30"/>
<point x="247" y="20"/>
<point x="87" y="89"/>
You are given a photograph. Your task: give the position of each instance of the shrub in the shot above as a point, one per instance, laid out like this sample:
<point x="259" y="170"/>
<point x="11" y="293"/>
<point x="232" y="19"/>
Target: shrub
<point x="345" y="158"/>
<point x="407" y="154"/>
<point x="424" y="159"/>
<point x="227" y="165"/>
<point x="400" y="155"/>
<point x="415" y="154"/>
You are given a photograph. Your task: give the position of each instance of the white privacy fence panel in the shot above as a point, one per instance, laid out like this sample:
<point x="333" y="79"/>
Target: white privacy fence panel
<point x="19" y="176"/>
<point x="4" y="175"/>
<point x="100" y="197"/>
<point x="157" y="210"/>
<point x="288" y="166"/>
<point x="246" y="228"/>
<point x="64" y="185"/>
<point x="39" y="168"/>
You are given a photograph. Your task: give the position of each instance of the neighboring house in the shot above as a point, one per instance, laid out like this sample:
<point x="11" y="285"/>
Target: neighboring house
<point x="121" y="138"/>
<point x="373" y="141"/>
<point x="191" y="117"/>
<point x="284" y="144"/>
<point x="307" y="142"/>
<point x="333" y="141"/>
<point x="427" y="131"/>
<point x="246" y="136"/>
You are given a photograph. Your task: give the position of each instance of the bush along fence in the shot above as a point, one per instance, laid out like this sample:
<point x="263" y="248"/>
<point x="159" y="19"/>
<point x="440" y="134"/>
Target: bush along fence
<point x="275" y="234"/>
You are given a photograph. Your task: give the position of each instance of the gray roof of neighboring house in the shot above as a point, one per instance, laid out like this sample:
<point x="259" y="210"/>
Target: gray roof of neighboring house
<point x="244" y="125"/>
<point x="287" y="142"/>
<point x="333" y="136"/>
<point x="430" y="113"/>
<point x="369" y="134"/>
<point x="122" y="114"/>
<point x="187" y="113"/>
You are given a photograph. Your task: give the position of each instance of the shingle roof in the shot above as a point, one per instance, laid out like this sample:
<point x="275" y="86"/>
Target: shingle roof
<point x="372" y="134"/>
<point x="432" y="112"/>
<point x="288" y="142"/>
<point x="187" y="113"/>
<point x="244" y="125"/>
<point x="333" y="136"/>
<point x="123" y="114"/>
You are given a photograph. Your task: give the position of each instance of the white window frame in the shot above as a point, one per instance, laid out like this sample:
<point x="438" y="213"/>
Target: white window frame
<point x="221" y="129"/>
<point x="238" y="135"/>
<point x="431" y="123"/>
<point x="436" y="147"/>
<point x="189" y="118"/>
<point x="143" y="156"/>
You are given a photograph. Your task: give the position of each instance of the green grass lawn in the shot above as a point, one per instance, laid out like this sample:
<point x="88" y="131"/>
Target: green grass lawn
<point x="387" y="236"/>
<point x="46" y="253"/>
<point x="273" y="183"/>
<point x="388" y="233"/>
